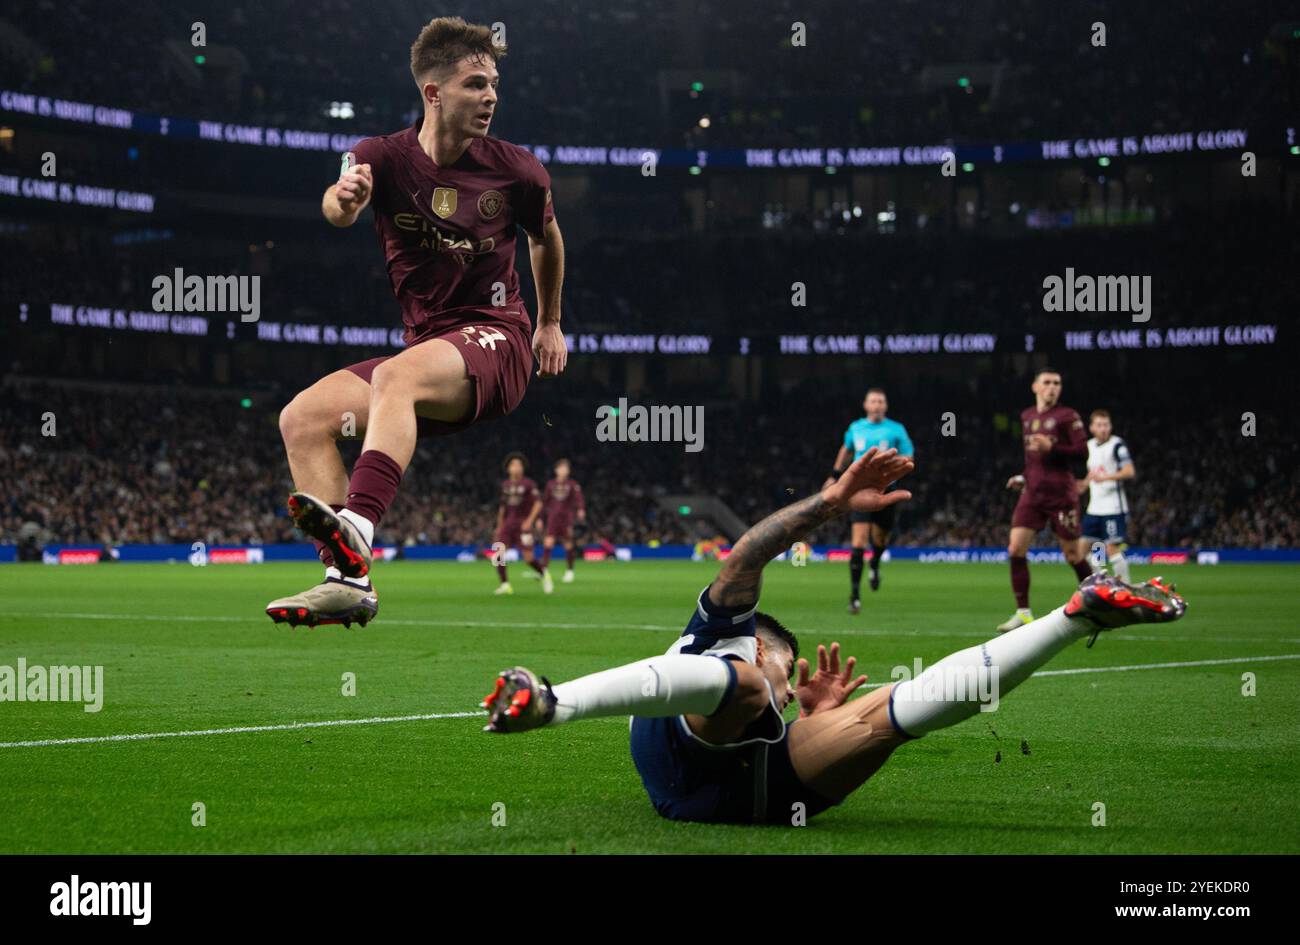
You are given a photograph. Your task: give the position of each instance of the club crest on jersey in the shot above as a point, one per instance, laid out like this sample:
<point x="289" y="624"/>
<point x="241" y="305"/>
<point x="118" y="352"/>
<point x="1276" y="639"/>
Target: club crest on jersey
<point x="490" y="204"/>
<point x="1049" y="422"/>
<point x="444" y="201"/>
<point x="1034" y="425"/>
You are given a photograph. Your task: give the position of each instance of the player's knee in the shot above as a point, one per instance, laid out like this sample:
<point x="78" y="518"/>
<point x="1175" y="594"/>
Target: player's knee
<point x="301" y="423"/>
<point x="388" y="378"/>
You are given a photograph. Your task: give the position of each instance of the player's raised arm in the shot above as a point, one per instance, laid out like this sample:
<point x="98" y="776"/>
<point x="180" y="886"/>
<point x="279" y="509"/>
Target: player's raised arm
<point x="860" y="489"/>
<point x="546" y="255"/>
<point x="344" y="200"/>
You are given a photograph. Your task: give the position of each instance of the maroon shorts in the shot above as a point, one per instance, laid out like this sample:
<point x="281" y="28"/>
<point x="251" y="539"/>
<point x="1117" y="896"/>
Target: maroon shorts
<point x="511" y="534"/>
<point x="1063" y="519"/>
<point x="559" y="526"/>
<point x="498" y="357"/>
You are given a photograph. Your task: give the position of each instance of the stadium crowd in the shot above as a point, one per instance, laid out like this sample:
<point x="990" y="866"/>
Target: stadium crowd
<point x="132" y="464"/>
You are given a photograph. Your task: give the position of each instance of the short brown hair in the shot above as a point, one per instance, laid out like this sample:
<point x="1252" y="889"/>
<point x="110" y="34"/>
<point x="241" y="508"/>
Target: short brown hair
<point x="445" y="41"/>
<point x="1098" y="413"/>
<point x="875" y="390"/>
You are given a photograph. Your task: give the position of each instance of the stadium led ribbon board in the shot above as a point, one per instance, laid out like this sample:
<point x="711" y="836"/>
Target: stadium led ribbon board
<point x="208" y="325"/>
<point x="1151" y="144"/>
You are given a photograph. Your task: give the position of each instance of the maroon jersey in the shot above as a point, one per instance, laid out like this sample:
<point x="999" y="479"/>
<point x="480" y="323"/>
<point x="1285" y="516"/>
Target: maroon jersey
<point x="562" y="500"/>
<point x="517" y="498"/>
<point x="448" y="233"/>
<point x="1049" y="477"/>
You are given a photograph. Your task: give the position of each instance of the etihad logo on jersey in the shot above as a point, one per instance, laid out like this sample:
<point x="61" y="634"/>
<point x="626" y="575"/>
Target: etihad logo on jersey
<point x="438" y="241"/>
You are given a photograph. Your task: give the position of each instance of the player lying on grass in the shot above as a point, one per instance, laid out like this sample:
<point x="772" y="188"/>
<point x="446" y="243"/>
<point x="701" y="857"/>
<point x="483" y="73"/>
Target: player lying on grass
<point x="707" y="732"/>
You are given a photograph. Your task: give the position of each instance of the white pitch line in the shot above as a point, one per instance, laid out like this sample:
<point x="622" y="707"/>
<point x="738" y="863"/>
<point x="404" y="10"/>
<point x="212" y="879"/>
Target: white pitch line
<point x="240" y="729"/>
<point x="522" y="625"/>
<point x="1181" y="665"/>
<point x="380" y="720"/>
<point x="1132" y="666"/>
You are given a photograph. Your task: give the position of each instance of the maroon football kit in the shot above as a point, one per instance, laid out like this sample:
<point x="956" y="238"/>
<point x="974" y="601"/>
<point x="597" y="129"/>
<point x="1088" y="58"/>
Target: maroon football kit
<point x="448" y="235"/>
<point x="561" y="503"/>
<point x="1050" y="496"/>
<point x="518" y="496"/>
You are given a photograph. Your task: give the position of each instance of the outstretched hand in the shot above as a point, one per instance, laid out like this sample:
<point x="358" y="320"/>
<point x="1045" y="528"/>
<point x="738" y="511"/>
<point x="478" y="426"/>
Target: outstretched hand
<point x="862" y="486"/>
<point x="829" y="687"/>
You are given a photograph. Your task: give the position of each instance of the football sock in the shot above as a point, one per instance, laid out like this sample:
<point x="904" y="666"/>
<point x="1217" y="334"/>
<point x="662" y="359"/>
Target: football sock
<point x="676" y="684"/>
<point x="954" y="688"/>
<point x="1082" y="568"/>
<point x="537" y="566"/>
<point x="855" y="572"/>
<point x="373" y="486"/>
<point x="876" y="552"/>
<point x="501" y="573"/>
<point x="570" y="556"/>
<point x="336" y="574"/>
<point x="364" y="525"/>
<point x="546" y="557"/>
<point x="1020" y="581"/>
<point x="1119" y="565"/>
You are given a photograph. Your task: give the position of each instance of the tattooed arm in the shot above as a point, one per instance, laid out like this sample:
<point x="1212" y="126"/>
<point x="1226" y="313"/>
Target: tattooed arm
<point x="860" y="489"/>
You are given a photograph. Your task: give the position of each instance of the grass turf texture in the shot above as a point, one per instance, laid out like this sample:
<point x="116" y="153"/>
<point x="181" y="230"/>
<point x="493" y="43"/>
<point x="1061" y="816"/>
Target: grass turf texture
<point x="1182" y="760"/>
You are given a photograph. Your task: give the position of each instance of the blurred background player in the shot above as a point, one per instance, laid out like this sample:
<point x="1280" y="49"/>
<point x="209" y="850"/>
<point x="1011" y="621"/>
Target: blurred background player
<point x="448" y="204"/>
<point x="1109" y="467"/>
<point x="517" y="512"/>
<point x="563" y="505"/>
<point x="1049" y="496"/>
<point x="873" y="430"/>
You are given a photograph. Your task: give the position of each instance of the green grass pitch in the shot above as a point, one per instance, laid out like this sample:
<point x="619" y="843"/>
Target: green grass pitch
<point x="1181" y="759"/>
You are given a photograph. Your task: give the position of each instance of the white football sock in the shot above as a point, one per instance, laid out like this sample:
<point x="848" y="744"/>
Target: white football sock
<point x="1119" y="565"/>
<point x="363" y="524"/>
<point x="954" y="688"/>
<point x="676" y="684"/>
<point x="361" y="582"/>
